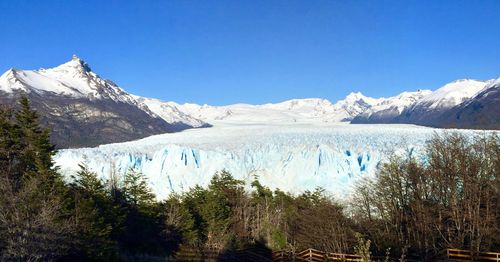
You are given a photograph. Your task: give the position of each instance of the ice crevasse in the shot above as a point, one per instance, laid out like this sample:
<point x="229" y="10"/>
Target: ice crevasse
<point x="291" y="158"/>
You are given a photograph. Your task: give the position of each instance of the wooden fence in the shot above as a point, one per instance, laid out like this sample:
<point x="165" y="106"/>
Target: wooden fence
<point x="448" y="255"/>
<point x="313" y="255"/>
<point x="458" y="255"/>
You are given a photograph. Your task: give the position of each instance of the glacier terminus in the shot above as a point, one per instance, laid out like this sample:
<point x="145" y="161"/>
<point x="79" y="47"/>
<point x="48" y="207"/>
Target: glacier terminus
<point x="291" y="156"/>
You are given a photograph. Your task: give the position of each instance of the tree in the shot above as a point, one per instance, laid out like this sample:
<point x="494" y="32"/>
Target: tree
<point x="321" y="223"/>
<point x="362" y="248"/>
<point x="144" y="223"/>
<point x="10" y="147"/>
<point x="37" y="150"/>
<point x="223" y="195"/>
<point x="95" y="216"/>
<point x="34" y="222"/>
<point x="31" y="224"/>
<point x="136" y="190"/>
<point x="447" y="197"/>
<point x="179" y="222"/>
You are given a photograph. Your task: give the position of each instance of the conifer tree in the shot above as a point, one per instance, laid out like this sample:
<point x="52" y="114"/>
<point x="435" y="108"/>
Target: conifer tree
<point x="145" y="227"/>
<point x="9" y="146"/>
<point x="34" y="221"/>
<point x="36" y="150"/>
<point x="95" y="215"/>
<point x="137" y="192"/>
<point x="223" y="192"/>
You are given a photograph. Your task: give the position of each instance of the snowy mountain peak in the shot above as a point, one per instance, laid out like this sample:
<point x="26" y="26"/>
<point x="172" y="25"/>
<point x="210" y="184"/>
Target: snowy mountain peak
<point x="76" y="65"/>
<point x="392" y="106"/>
<point x="75" y="79"/>
<point x="355" y="95"/>
<point x="8" y="80"/>
<point x="300" y="104"/>
<point x="453" y="93"/>
<point x="493" y="83"/>
<point x="11" y="73"/>
<point x="358" y="98"/>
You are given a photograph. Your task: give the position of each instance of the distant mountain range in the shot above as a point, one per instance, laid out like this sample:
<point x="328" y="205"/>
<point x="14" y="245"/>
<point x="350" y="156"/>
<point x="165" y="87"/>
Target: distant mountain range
<point x="83" y="109"/>
<point x="463" y="103"/>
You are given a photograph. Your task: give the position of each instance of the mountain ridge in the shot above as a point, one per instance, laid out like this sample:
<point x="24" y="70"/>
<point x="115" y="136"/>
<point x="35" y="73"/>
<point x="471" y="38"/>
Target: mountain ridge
<point x="68" y="94"/>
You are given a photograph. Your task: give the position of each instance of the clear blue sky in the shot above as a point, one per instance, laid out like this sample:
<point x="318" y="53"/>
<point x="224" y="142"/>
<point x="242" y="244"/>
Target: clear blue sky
<point x="221" y="52"/>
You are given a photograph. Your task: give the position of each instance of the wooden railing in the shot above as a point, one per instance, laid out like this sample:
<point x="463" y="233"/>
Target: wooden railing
<point x="459" y="255"/>
<point x="451" y="255"/>
<point x="313" y="255"/>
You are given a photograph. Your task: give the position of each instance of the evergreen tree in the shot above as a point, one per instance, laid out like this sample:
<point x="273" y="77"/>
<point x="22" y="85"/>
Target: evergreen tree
<point x="37" y="150"/>
<point x="144" y="224"/>
<point x="194" y="201"/>
<point x="179" y="222"/>
<point x="136" y="190"/>
<point x="34" y="221"/>
<point x="218" y="210"/>
<point x="95" y="216"/>
<point x="10" y="147"/>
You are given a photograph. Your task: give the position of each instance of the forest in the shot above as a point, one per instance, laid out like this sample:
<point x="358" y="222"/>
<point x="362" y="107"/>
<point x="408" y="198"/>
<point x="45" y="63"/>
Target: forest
<point x="415" y="206"/>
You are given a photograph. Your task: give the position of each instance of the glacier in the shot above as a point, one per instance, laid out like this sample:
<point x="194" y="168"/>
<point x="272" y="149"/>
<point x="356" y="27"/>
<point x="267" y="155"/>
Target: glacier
<point x="294" y="145"/>
<point x="292" y="157"/>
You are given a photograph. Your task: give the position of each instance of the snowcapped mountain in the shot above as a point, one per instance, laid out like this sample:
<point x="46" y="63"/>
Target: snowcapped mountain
<point x="170" y="112"/>
<point x="83" y="109"/>
<point x="295" y="145"/>
<point x="290" y="111"/>
<point x="388" y="108"/>
<point x="354" y="104"/>
<point x="73" y="79"/>
<point x="479" y="111"/>
<point x="432" y="108"/>
<point x="451" y="94"/>
<point x="463" y="103"/>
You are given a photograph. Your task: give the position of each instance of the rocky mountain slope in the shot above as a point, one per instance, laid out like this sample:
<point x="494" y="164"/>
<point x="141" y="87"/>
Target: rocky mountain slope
<point x="463" y="103"/>
<point x="482" y="111"/>
<point x="83" y="109"/>
<point x="389" y="108"/>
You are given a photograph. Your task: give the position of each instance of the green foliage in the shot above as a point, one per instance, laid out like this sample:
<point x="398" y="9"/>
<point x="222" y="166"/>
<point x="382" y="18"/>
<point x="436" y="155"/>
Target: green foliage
<point x="95" y="216"/>
<point x="136" y="190"/>
<point x="180" y="223"/>
<point x="278" y="239"/>
<point x="218" y="208"/>
<point x="363" y="248"/>
<point x="448" y="197"/>
<point x="34" y="221"/>
<point x="38" y="150"/>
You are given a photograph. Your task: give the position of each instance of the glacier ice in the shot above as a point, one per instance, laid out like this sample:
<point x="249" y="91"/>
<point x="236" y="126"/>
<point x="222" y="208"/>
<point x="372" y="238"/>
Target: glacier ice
<point x="292" y="157"/>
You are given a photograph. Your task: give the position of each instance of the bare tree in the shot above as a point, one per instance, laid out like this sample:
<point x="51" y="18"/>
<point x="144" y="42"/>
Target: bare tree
<point x="31" y="223"/>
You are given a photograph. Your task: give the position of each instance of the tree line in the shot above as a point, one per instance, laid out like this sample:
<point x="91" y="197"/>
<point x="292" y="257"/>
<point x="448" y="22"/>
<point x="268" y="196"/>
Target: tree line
<point x="415" y="206"/>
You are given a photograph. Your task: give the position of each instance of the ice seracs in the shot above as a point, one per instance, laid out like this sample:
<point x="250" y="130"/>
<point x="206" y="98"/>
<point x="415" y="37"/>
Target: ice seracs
<point x="294" y="158"/>
<point x="294" y="145"/>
